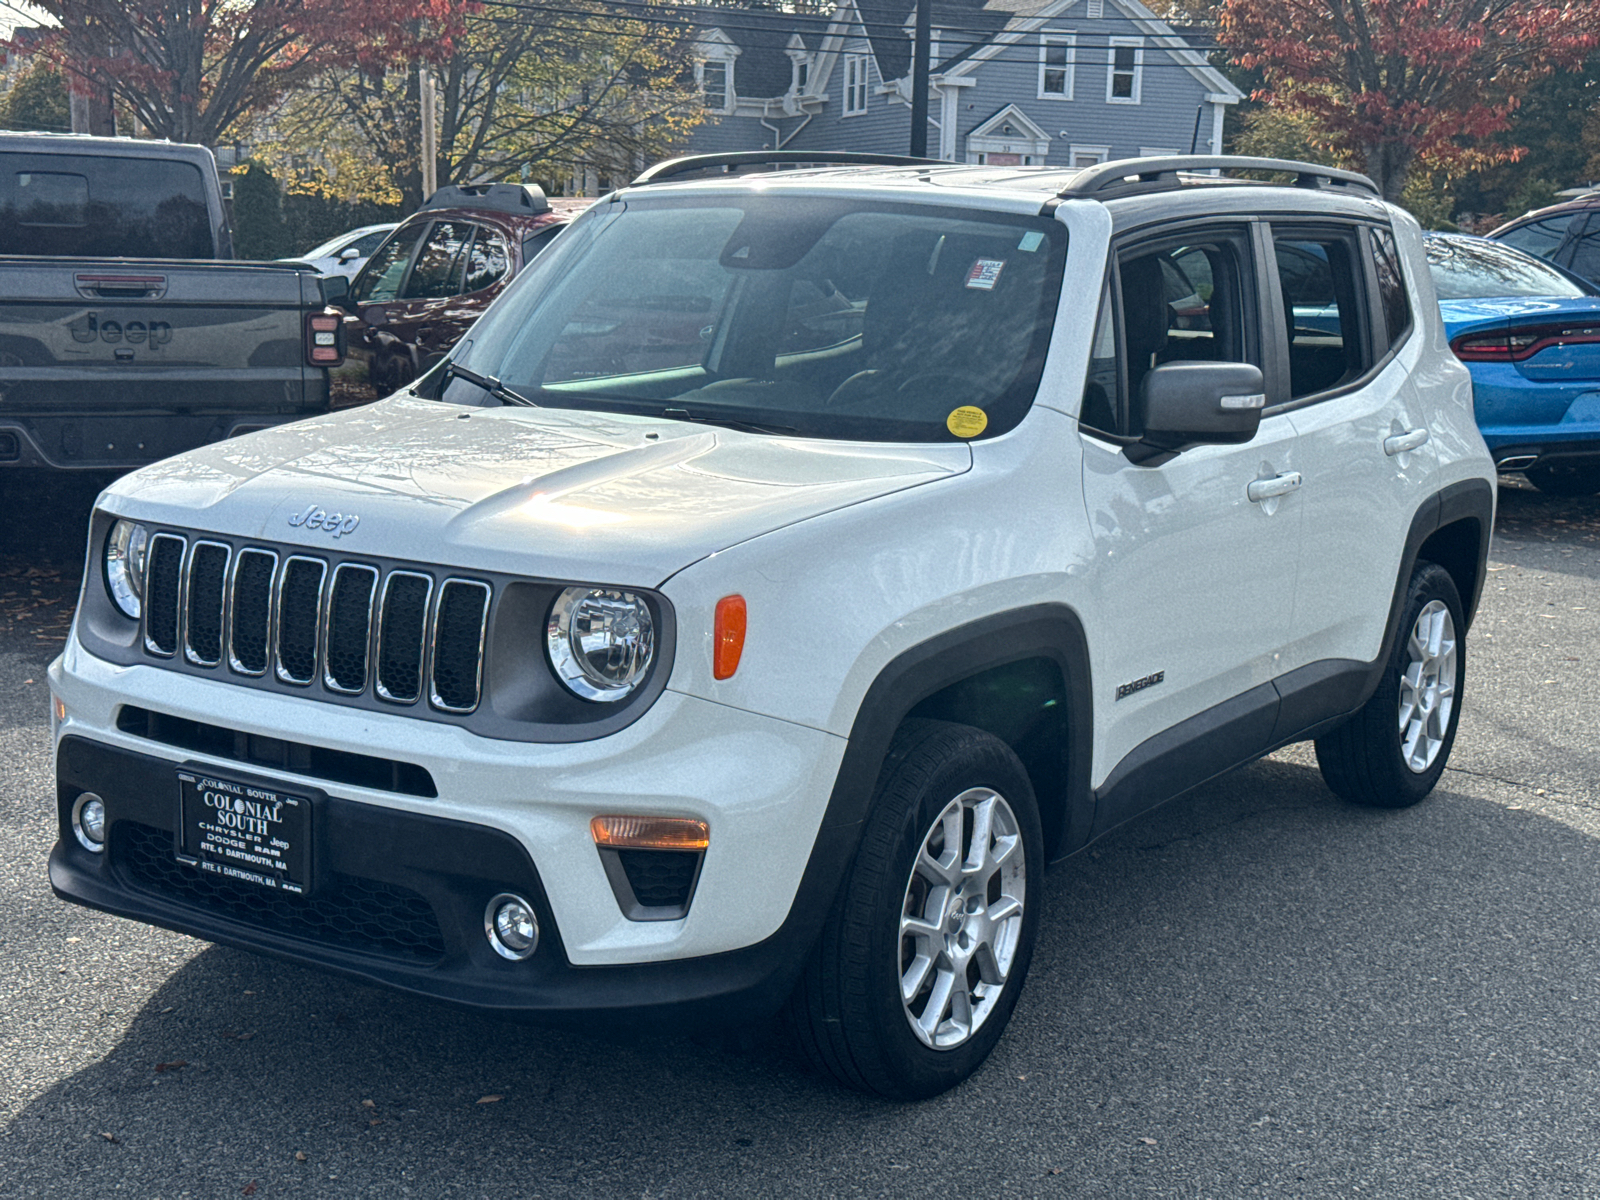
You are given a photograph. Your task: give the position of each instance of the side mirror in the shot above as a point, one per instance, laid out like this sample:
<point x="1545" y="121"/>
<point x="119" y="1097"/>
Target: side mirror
<point x="335" y="289"/>
<point x="1184" y="404"/>
<point x="349" y="254"/>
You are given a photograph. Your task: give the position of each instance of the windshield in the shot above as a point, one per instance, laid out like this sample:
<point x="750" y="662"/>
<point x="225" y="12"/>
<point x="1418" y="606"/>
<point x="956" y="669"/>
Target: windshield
<point x="1476" y="269"/>
<point x="816" y="316"/>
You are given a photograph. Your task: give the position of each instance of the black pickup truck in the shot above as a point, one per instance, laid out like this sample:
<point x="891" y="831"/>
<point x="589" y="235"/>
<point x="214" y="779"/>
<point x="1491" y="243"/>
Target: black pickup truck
<point x="123" y="339"/>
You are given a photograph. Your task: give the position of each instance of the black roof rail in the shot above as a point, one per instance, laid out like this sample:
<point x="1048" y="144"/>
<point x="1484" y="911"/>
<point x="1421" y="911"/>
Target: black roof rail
<point x="689" y="164"/>
<point x="523" y="199"/>
<point x="1137" y="174"/>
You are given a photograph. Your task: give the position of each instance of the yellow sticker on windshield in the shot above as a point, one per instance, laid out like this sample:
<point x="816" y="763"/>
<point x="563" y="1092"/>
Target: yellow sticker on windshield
<point x="967" y="422"/>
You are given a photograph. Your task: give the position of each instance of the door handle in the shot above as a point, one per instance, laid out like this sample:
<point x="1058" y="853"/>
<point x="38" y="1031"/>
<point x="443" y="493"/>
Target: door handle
<point x="1278" y="485"/>
<point x="1401" y="442"/>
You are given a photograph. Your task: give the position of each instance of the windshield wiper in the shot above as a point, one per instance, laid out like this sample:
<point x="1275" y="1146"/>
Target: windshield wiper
<point x="454" y="370"/>
<point x="683" y="414"/>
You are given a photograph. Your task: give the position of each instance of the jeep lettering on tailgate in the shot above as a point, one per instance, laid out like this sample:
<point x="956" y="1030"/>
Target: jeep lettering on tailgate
<point x="90" y="328"/>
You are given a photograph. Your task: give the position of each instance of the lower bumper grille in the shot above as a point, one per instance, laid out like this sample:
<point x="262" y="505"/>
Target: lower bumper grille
<point x="355" y="914"/>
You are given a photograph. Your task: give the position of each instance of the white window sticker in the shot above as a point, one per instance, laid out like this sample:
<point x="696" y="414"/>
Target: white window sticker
<point x="985" y="273"/>
<point x="1031" y="241"/>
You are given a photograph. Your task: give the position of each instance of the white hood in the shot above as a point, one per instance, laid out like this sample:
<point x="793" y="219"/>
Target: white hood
<point x="561" y="494"/>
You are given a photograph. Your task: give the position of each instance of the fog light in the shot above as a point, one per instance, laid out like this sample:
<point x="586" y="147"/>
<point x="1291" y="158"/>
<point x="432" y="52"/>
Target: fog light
<point x="512" y="928"/>
<point x="89" y="822"/>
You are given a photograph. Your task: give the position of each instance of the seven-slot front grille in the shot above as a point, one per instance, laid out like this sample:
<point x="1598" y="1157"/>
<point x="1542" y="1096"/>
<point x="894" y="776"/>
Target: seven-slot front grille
<point x="301" y="618"/>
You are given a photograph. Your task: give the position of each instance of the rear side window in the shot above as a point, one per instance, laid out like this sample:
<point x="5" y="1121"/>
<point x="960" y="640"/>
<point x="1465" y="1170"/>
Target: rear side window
<point x="1319" y="277"/>
<point x="1466" y="268"/>
<point x="80" y="205"/>
<point x="440" y="263"/>
<point x="487" y="261"/>
<point x="1391" y="286"/>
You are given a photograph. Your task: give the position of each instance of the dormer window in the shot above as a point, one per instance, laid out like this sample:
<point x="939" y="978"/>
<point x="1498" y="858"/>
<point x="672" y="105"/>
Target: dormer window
<point x="716" y="83"/>
<point x="800" y="62"/>
<point x="855" y="84"/>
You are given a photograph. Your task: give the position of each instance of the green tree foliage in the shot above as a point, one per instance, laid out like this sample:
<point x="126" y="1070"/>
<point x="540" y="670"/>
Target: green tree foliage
<point x="38" y="100"/>
<point x="258" y="214"/>
<point x="520" y="91"/>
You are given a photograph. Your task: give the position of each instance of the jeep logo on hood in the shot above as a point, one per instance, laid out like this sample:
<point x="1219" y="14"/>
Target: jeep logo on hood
<point x="338" y="524"/>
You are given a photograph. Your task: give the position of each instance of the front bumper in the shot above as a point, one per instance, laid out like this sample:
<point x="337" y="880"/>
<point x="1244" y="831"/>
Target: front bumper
<point x="399" y="903"/>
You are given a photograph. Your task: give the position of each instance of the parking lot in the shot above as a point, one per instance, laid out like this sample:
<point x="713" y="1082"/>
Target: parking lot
<point x="1257" y="990"/>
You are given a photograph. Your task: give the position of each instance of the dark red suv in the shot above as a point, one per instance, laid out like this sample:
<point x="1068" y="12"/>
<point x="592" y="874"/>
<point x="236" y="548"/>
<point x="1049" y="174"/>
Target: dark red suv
<point x="425" y="286"/>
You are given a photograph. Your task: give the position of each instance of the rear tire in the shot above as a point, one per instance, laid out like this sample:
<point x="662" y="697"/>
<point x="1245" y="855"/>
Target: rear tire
<point x="1558" y="480"/>
<point x="1393" y="751"/>
<point x="924" y="953"/>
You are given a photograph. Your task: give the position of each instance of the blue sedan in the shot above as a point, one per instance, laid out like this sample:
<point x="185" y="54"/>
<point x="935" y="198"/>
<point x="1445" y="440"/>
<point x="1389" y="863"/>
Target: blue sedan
<point x="1530" y="334"/>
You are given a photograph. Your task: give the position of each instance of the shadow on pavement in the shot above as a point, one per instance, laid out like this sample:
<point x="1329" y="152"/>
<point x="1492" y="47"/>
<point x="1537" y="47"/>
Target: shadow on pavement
<point x="1254" y="988"/>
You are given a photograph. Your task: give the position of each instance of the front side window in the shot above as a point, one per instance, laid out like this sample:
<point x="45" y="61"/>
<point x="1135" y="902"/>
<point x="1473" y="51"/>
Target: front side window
<point x="379" y="281"/>
<point x="1319" y="277"/>
<point x="1123" y="83"/>
<point x="1182" y="301"/>
<point x="817" y="316"/>
<point x="855" y="84"/>
<point x="1057" y="53"/>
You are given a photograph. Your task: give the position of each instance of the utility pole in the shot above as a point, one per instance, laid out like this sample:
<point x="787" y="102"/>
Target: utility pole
<point x="921" y="51"/>
<point x="430" y="135"/>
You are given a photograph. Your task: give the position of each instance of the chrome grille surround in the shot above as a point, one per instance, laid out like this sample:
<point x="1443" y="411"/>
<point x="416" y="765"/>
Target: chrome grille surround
<point x="205" y="576"/>
<point x="239" y="609"/>
<point x="295" y="565"/>
<point x="336" y="639"/>
<point x="467" y="702"/>
<point x="385" y="680"/>
<point x="163" y="595"/>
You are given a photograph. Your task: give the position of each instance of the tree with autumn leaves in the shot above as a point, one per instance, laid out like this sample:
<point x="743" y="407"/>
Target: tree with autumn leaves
<point x="190" y="70"/>
<point x="1394" y="84"/>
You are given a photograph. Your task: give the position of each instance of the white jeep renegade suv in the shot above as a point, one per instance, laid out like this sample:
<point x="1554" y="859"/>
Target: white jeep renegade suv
<point x="786" y="569"/>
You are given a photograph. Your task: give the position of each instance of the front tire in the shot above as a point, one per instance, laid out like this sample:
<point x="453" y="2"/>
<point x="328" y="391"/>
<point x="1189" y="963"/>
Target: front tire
<point x="1392" y="752"/>
<point x="924" y="953"/>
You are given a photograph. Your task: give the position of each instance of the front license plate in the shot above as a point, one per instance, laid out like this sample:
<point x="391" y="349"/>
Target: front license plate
<point x="243" y="831"/>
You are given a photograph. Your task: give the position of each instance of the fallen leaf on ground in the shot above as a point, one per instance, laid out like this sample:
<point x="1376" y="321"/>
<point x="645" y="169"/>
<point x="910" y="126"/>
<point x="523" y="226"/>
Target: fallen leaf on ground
<point x="300" y="1156"/>
<point x="490" y="1099"/>
<point x="368" y="1104"/>
<point x="166" y="1010"/>
<point x="110" y="1137"/>
<point x="170" y="1066"/>
<point x="250" y="1188"/>
<point x="1148" y="1141"/>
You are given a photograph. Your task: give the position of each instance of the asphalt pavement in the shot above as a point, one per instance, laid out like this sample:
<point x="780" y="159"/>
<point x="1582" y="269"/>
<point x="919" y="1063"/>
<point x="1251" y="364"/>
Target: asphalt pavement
<point x="1256" y="990"/>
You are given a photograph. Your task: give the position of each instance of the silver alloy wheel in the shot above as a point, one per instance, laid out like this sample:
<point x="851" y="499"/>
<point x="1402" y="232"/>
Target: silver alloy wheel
<point x="1428" y="686"/>
<point x="961" y="919"/>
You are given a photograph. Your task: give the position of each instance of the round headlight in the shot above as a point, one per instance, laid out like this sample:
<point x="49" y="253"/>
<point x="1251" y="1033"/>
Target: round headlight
<point x="601" y="641"/>
<point x="125" y="561"/>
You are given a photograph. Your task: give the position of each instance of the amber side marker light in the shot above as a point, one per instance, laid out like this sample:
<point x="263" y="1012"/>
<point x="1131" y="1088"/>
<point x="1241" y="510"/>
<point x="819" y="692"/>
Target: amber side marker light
<point x="650" y="833"/>
<point x="727" y="642"/>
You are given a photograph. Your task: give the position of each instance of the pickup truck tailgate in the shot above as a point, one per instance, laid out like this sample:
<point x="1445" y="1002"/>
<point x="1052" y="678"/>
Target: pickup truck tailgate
<point x="117" y="362"/>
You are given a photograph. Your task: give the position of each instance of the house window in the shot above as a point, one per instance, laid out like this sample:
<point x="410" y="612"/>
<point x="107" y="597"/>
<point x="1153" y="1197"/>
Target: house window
<point x="802" y="73"/>
<point x="1127" y="65"/>
<point x="855" y="84"/>
<point x="716" y="83"/>
<point x="1079" y="157"/>
<point x="1057" y="57"/>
